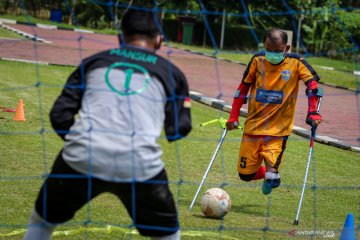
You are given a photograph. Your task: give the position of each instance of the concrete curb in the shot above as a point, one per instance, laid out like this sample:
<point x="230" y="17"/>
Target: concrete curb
<point x="45" y="26"/>
<point x="220" y="105"/>
<point x="37" y="62"/>
<point x="24" y="34"/>
<point x="24" y="61"/>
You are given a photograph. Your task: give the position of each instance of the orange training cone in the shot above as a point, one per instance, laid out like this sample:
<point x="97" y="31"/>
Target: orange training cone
<point x="20" y="113"/>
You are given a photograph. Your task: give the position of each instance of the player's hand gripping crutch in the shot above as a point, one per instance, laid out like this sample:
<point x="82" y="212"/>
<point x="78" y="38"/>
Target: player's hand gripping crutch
<point x="222" y="123"/>
<point x="312" y="140"/>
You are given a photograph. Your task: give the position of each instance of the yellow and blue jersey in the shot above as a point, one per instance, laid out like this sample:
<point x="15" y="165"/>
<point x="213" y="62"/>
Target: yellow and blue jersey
<point x="273" y="93"/>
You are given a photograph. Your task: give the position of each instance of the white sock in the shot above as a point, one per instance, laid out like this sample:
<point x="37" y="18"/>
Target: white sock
<point x="175" y="236"/>
<point x="271" y="175"/>
<point x="38" y="229"/>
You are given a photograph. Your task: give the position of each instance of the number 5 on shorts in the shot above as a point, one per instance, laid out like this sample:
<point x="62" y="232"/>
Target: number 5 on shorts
<point x="243" y="162"/>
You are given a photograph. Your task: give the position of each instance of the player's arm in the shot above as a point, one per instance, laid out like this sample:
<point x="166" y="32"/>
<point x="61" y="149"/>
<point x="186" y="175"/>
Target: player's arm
<point x="313" y="117"/>
<point x="311" y="78"/>
<point x="238" y="101"/>
<point x="177" y="109"/>
<point x="240" y="95"/>
<point x="67" y="105"/>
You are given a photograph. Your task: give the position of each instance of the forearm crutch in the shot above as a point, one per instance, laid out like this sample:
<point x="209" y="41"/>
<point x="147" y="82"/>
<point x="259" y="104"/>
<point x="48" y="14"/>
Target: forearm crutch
<point x="312" y="140"/>
<point x="209" y="167"/>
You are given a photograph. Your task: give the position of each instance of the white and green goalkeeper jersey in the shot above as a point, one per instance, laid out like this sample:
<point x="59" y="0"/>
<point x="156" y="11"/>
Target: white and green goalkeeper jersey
<point x="112" y="110"/>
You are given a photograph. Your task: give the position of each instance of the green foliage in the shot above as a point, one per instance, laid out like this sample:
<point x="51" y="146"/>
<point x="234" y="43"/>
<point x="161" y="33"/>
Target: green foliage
<point x="321" y="30"/>
<point x="322" y="23"/>
<point x="2" y="7"/>
<point x="237" y="37"/>
<point x="261" y="18"/>
<point x="351" y="21"/>
<point x="90" y="14"/>
<point x="9" y="34"/>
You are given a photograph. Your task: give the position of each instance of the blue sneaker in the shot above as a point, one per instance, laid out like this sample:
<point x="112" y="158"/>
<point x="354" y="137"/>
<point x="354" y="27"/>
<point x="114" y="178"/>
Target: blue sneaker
<point x="269" y="184"/>
<point x="266" y="187"/>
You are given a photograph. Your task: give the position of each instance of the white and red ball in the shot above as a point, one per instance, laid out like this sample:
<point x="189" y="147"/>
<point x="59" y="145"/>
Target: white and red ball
<point x="215" y="203"/>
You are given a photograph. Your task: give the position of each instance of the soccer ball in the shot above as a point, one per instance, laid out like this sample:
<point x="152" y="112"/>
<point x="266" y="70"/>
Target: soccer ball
<point x="215" y="203"/>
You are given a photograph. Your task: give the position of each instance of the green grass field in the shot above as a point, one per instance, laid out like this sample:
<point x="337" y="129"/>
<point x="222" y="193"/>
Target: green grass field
<point x="4" y="33"/>
<point x="28" y="149"/>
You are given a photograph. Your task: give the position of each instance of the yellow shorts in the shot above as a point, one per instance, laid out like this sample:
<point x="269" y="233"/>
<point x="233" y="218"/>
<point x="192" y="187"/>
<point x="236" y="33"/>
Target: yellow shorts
<point x="254" y="149"/>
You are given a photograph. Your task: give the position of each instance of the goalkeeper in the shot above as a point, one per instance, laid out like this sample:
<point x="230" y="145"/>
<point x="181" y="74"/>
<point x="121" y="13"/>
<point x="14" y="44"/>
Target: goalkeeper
<point x="124" y="97"/>
<point x="273" y="80"/>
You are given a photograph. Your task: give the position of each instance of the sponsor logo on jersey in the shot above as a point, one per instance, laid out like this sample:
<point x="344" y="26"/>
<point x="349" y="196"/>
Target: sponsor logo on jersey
<point x="269" y="96"/>
<point x="285" y="75"/>
<point x="134" y="55"/>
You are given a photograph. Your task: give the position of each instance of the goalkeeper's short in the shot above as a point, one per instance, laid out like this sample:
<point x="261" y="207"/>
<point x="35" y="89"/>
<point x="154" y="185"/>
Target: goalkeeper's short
<point x="150" y="204"/>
